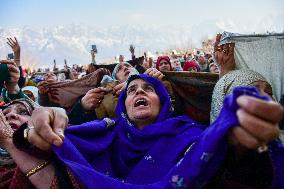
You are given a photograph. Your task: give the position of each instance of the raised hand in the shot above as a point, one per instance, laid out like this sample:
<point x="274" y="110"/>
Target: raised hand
<point x="13" y="43"/>
<point x="132" y="49"/>
<point x="224" y="55"/>
<point x="93" y="98"/>
<point x="118" y="88"/>
<point x="153" y="72"/>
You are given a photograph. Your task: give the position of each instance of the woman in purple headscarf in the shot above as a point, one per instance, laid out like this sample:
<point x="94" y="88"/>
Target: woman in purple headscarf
<point x="145" y="147"/>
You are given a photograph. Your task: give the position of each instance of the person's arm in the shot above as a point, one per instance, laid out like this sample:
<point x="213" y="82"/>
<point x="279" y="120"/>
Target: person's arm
<point x="43" y="171"/>
<point x="39" y="171"/>
<point x="12" y="90"/>
<point x="78" y="115"/>
<point x="93" y="55"/>
<point x="22" y="79"/>
<point x="247" y="160"/>
<point x="13" y="43"/>
<point x="132" y="51"/>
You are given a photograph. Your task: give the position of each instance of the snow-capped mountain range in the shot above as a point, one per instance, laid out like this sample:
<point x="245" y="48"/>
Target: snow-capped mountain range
<point x="40" y="46"/>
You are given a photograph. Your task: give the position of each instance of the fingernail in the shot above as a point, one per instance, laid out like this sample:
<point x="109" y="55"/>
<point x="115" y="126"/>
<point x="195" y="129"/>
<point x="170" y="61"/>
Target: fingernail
<point x="57" y="142"/>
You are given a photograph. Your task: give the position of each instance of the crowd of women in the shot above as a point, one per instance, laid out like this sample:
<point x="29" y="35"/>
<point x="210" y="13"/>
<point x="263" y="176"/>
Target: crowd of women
<point x="117" y="127"/>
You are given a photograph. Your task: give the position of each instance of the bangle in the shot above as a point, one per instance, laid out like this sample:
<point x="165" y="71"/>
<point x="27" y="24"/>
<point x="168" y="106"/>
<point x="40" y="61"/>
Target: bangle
<point x="37" y="168"/>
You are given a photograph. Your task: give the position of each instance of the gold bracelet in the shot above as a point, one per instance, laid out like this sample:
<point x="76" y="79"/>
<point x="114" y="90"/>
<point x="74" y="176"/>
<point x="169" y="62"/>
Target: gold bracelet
<point x="37" y="168"/>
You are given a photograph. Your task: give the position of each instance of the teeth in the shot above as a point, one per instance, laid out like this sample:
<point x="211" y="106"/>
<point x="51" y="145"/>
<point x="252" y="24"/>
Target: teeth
<point x="140" y="102"/>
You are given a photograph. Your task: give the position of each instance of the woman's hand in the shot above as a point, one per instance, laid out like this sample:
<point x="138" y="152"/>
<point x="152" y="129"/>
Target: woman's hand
<point x="93" y="98"/>
<point x="49" y="124"/>
<point x="118" y="88"/>
<point x="224" y="55"/>
<point x="6" y="132"/>
<point x="153" y="72"/>
<point x="13" y="43"/>
<point x="258" y="123"/>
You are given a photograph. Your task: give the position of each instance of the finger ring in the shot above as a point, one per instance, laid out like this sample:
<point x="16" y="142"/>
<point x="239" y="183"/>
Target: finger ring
<point x="26" y="133"/>
<point x="262" y="149"/>
<point x="31" y="127"/>
<point x="219" y="49"/>
<point x="224" y="51"/>
<point x="100" y="101"/>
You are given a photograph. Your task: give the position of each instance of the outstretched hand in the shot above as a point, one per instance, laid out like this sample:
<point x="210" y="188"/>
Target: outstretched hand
<point x="93" y="98"/>
<point x="48" y="124"/>
<point x="153" y="72"/>
<point x="257" y="126"/>
<point x="5" y="130"/>
<point x="13" y="43"/>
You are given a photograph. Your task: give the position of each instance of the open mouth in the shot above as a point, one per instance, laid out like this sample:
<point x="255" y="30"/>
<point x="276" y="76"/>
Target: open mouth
<point x="126" y="73"/>
<point x="141" y="102"/>
<point x="13" y="126"/>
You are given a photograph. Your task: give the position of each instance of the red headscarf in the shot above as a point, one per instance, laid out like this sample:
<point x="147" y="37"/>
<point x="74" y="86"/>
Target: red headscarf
<point x="191" y="64"/>
<point x="166" y="58"/>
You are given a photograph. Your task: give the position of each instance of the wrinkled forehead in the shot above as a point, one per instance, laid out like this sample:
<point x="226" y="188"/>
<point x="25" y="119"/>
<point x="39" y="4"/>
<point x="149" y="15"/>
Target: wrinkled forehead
<point x="137" y="81"/>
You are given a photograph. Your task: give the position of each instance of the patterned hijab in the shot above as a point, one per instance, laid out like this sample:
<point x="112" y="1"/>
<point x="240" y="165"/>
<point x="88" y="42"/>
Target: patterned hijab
<point x="27" y="103"/>
<point x="225" y="86"/>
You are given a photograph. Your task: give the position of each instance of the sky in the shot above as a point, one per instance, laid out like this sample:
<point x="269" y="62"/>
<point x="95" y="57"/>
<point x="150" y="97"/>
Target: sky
<point x="103" y="13"/>
<point x="190" y="20"/>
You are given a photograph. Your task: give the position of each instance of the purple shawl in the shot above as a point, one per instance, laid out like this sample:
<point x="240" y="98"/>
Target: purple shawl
<point x="173" y="152"/>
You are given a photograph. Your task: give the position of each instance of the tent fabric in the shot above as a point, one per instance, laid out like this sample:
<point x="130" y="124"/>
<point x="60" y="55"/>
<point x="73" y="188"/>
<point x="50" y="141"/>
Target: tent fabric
<point x="261" y="53"/>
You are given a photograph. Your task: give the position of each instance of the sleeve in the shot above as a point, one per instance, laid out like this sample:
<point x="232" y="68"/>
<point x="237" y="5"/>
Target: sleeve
<point x="78" y="115"/>
<point x="10" y="97"/>
<point x="252" y="170"/>
<point x="43" y="99"/>
<point x="22" y="79"/>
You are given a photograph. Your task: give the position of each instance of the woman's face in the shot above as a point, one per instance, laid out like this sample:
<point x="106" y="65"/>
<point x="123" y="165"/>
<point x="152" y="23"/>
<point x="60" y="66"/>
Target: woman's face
<point x="164" y="66"/>
<point x="123" y="72"/>
<point x="16" y="115"/>
<point x="50" y="77"/>
<point x="142" y="103"/>
<point x="214" y="69"/>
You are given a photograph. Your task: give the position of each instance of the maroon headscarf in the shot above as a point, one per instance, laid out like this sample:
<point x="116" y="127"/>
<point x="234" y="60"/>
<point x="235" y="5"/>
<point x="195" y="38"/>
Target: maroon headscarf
<point x="166" y="58"/>
<point x="191" y="64"/>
